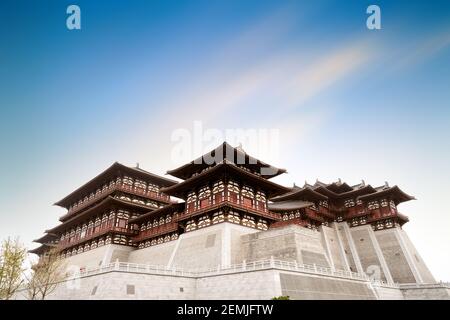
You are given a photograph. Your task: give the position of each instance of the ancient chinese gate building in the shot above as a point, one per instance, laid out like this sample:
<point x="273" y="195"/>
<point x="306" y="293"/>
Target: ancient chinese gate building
<point x="230" y="212"/>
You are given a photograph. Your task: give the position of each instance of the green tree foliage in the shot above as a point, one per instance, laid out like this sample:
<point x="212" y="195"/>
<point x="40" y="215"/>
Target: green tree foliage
<point x="12" y="258"/>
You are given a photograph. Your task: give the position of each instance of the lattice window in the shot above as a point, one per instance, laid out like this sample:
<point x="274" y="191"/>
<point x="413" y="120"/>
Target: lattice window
<point x="349" y="203"/>
<point x="97" y="224"/>
<point x="119" y="239"/>
<point x="233" y="217"/>
<point x="324" y="203"/>
<point x="392" y="204"/>
<point x="111" y="218"/>
<point x="262" y="224"/>
<point x="122" y="218"/>
<point x="218" y="191"/>
<point x="204" y="222"/>
<point x="233" y="187"/>
<point x="83" y="231"/>
<point x="261" y="196"/>
<point x="138" y="200"/>
<point x="140" y="184"/>
<point x="218" y="187"/>
<point x="152" y="187"/>
<point x="389" y="223"/>
<point x="125" y="197"/>
<point x="204" y="192"/>
<point x="247" y="196"/>
<point x="127" y="181"/>
<point x="151" y="203"/>
<point x="248" y="192"/>
<point x="104" y="221"/>
<point x="191" y="225"/>
<point x="248" y="221"/>
<point x="218" y="217"/>
<point x="204" y="197"/>
<point x="373" y="205"/>
<point x="233" y="192"/>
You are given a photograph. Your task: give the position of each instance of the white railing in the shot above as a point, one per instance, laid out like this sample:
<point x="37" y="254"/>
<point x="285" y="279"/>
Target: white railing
<point x="425" y="285"/>
<point x="219" y="270"/>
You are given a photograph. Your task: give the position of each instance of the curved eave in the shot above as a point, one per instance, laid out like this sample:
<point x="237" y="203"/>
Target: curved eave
<point x="109" y="173"/>
<point x="41" y="249"/>
<point x="46" y="238"/>
<point x="394" y="193"/>
<point x="158" y="212"/>
<point x="182" y="188"/>
<point x="301" y="194"/>
<point x="402" y="217"/>
<point x="326" y="192"/>
<point x="185" y="171"/>
<point x="284" y="206"/>
<point x="106" y="203"/>
<point x="339" y="188"/>
<point x="368" y="189"/>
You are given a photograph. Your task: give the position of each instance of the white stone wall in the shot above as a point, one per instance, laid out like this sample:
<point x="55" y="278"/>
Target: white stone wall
<point x="315" y="287"/>
<point x="158" y="255"/>
<point x="101" y="255"/>
<point x="257" y="285"/>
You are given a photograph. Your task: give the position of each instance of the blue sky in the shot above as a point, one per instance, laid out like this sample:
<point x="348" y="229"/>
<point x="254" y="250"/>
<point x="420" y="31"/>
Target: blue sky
<point x="348" y="102"/>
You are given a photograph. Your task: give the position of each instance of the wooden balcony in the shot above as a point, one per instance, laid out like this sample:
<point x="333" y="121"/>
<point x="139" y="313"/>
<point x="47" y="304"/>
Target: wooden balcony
<point x="326" y="212"/>
<point x="119" y="187"/>
<point x="235" y="204"/>
<point x="356" y="211"/>
<point x="156" y="231"/>
<point x="382" y="212"/>
<point x="66" y="244"/>
<point x="312" y="214"/>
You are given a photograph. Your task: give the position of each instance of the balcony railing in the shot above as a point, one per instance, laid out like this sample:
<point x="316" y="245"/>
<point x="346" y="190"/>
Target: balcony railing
<point x="119" y="187"/>
<point x="156" y="231"/>
<point x="261" y="212"/>
<point x="259" y="265"/>
<point x="312" y="214"/>
<point x="66" y="244"/>
<point x="374" y="214"/>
